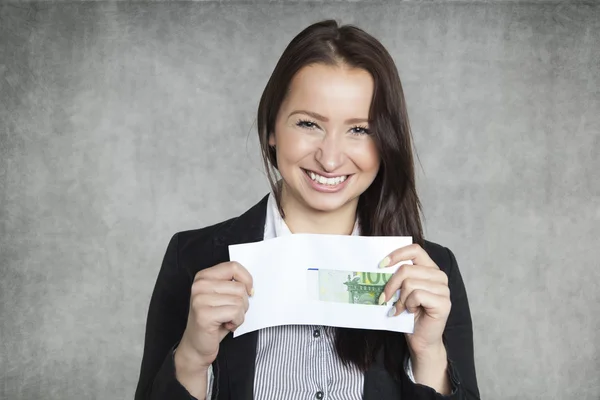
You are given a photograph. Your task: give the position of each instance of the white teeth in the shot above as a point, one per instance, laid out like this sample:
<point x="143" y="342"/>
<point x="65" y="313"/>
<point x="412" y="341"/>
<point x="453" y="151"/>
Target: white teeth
<point x="327" y="181"/>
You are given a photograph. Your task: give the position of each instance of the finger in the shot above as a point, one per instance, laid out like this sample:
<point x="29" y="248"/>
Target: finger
<point x="205" y="286"/>
<point x="227" y="271"/>
<point x="229" y="326"/>
<point x="232" y="326"/>
<point x="413" y="252"/>
<point x="435" y="306"/>
<point x="225" y="315"/>
<point x="203" y="303"/>
<point x="410" y="285"/>
<point x="411" y="271"/>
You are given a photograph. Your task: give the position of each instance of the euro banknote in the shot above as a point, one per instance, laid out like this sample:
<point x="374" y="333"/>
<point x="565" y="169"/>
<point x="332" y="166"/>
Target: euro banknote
<point x="348" y="287"/>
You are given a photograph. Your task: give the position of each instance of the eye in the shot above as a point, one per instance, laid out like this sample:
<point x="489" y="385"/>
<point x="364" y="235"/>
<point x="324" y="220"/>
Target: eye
<point x="303" y="123"/>
<point x="360" y="130"/>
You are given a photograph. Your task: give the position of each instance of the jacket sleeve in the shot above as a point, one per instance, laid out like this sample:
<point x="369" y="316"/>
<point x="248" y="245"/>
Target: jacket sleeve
<point x="458" y="338"/>
<point x="166" y="322"/>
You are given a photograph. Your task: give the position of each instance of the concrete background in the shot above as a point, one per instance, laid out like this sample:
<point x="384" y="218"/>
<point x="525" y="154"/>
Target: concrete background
<point x="121" y="124"/>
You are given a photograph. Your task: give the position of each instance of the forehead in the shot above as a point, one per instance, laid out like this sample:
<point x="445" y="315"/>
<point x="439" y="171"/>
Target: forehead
<point x="331" y="87"/>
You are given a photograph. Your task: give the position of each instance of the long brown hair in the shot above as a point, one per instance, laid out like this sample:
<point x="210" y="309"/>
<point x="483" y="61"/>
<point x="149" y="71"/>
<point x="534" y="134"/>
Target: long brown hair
<point x="390" y="206"/>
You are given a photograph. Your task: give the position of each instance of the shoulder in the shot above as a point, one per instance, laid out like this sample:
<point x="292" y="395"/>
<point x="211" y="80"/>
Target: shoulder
<point x="200" y="237"/>
<point x="442" y="256"/>
<point x="194" y="249"/>
<point x="446" y="261"/>
<point x="188" y="249"/>
<point x="204" y="247"/>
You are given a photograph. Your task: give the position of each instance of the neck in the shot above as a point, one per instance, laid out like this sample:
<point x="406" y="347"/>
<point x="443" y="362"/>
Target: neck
<point x="301" y="219"/>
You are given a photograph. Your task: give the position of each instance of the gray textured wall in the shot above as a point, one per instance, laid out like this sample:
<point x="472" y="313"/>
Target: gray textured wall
<point x="122" y="124"/>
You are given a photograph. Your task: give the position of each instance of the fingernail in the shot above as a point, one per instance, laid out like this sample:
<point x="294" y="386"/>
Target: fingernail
<point x="251" y="292"/>
<point x="381" y="300"/>
<point x="392" y="312"/>
<point x="384" y="263"/>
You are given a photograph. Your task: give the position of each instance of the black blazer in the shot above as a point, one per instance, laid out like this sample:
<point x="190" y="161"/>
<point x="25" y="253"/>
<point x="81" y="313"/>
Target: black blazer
<point x="190" y="251"/>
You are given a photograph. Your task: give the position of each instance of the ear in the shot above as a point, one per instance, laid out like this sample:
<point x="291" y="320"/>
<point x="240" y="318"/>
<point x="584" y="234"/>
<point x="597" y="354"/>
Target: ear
<point x="272" y="139"/>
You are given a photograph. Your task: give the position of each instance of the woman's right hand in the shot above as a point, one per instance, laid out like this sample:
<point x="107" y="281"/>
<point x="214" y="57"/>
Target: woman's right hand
<point x="218" y="304"/>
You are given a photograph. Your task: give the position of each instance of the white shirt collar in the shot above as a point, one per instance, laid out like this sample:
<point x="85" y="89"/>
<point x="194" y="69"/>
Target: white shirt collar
<point x="275" y="226"/>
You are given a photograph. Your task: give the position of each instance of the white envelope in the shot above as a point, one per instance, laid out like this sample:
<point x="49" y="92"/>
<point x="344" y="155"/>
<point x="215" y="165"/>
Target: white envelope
<point x="279" y="271"/>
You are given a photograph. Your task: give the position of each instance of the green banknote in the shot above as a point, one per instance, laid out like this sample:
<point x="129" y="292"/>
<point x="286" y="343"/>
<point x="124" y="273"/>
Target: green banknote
<point x="350" y="287"/>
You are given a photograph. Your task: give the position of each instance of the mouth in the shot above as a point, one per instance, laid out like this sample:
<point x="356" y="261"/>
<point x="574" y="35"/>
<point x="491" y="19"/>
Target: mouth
<point x="322" y="180"/>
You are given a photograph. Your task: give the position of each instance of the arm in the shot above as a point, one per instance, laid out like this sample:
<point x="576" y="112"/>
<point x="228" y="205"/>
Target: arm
<point x="166" y="322"/>
<point x="458" y="341"/>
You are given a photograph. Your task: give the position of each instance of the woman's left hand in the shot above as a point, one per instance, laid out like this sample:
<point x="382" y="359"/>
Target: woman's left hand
<point x="423" y="291"/>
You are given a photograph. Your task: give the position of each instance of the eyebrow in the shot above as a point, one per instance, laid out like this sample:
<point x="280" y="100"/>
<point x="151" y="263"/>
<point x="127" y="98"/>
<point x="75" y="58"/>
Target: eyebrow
<point x="325" y="119"/>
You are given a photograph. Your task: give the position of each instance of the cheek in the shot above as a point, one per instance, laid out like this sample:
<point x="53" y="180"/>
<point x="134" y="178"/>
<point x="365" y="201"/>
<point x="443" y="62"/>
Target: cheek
<point x="292" y="146"/>
<point x="367" y="158"/>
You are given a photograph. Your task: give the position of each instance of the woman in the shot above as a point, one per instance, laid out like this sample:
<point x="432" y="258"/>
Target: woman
<point x="332" y="121"/>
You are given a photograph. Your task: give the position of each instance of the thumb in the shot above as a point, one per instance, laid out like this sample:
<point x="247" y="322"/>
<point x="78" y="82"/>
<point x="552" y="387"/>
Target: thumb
<point x="225" y="329"/>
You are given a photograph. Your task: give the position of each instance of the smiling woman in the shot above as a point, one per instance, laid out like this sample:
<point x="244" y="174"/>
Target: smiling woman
<point x="332" y="123"/>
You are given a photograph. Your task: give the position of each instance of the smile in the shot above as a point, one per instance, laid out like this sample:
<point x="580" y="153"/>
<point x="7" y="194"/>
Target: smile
<point x="326" y="181"/>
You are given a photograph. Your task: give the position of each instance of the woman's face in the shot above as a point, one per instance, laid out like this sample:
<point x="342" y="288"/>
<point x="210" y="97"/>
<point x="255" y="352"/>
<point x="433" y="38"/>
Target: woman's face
<point x="325" y="153"/>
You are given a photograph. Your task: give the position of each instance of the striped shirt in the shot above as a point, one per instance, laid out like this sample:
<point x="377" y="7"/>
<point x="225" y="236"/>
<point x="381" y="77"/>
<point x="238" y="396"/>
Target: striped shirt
<point x="299" y="362"/>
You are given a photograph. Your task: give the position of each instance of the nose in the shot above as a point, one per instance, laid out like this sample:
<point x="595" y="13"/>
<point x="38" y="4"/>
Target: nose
<point x="330" y="153"/>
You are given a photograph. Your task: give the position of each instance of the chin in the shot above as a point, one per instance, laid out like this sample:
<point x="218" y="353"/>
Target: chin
<point x="326" y="203"/>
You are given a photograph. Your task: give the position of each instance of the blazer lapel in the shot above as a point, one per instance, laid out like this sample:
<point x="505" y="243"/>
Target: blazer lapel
<point x="237" y="356"/>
